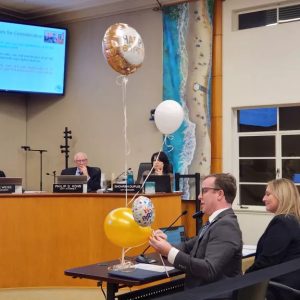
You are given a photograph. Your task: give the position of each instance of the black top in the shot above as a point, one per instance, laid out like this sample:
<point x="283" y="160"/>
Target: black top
<point x="2" y="174"/>
<point x="279" y="243"/>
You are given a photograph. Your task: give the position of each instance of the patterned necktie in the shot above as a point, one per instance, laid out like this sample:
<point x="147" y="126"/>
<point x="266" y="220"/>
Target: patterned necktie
<point x="203" y="229"/>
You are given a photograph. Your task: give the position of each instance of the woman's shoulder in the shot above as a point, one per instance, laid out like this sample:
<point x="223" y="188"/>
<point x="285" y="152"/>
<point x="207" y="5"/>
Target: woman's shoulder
<point x="289" y="221"/>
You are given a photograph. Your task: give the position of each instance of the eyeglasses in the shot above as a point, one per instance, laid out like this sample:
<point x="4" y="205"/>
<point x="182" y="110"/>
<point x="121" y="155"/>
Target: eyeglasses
<point x="206" y="189"/>
<point x="81" y="160"/>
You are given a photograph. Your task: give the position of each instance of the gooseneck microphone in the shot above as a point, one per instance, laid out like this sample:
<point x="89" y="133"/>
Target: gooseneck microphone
<point x="182" y="214"/>
<point x="124" y="172"/>
<point x="142" y="258"/>
<point x="26" y="148"/>
<point x="54" y="176"/>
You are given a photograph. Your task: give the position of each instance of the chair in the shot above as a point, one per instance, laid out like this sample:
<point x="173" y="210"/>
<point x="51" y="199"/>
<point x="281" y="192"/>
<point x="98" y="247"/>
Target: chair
<point x="286" y="289"/>
<point x="256" y="291"/>
<point x="181" y="182"/>
<point x="144" y="166"/>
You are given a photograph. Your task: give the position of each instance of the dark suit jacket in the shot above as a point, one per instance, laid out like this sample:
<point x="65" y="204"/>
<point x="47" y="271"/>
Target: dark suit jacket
<point x="279" y="243"/>
<point x="216" y="255"/>
<point x="93" y="183"/>
<point x="2" y="174"/>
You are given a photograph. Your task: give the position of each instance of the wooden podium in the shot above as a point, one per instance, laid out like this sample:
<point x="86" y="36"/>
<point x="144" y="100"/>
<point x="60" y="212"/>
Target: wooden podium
<point x="44" y="234"/>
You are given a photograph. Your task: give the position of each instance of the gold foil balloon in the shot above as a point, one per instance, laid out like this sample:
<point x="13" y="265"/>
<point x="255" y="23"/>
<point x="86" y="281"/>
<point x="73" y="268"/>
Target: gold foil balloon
<point x="123" y="48"/>
<point x="122" y="230"/>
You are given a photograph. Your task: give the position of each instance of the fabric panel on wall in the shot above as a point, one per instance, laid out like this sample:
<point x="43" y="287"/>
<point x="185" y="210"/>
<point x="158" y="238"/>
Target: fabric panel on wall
<point x="187" y="66"/>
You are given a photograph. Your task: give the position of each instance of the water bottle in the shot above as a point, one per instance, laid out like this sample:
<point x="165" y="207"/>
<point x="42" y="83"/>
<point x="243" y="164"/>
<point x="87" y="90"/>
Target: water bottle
<point x="103" y="182"/>
<point x="130" y="179"/>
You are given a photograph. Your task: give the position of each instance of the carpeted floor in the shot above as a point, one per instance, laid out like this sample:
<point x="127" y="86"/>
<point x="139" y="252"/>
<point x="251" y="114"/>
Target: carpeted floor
<point x="51" y="294"/>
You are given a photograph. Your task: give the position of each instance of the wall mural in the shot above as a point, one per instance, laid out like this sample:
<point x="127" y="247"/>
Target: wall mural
<point x="187" y="66"/>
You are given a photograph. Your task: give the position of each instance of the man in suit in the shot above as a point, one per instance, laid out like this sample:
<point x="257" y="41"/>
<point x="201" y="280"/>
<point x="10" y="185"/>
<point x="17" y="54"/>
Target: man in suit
<point x="93" y="174"/>
<point x="216" y="253"/>
<point x="2" y="174"/>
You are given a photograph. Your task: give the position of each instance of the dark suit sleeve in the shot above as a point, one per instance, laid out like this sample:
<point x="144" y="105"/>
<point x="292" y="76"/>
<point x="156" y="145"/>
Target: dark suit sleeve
<point x="217" y="250"/>
<point x="63" y="172"/>
<point x="94" y="181"/>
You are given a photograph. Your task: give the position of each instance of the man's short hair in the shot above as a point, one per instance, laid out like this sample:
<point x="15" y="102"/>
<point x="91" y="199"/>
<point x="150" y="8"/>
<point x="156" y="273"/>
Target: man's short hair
<point x="227" y="183"/>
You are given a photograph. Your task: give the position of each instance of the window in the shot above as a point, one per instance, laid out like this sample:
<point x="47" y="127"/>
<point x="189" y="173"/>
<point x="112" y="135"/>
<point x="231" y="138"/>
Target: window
<point x="257" y="18"/>
<point x="268" y="16"/>
<point x="268" y="141"/>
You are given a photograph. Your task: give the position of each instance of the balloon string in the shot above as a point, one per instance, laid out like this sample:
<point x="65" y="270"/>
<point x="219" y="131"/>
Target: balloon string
<point x="122" y="80"/>
<point x="123" y="256"/>
<point x="170" y="147"/>
<point x="167" y="273"/>
<point x="124" y="251"/>
<point x="150" y="172"/>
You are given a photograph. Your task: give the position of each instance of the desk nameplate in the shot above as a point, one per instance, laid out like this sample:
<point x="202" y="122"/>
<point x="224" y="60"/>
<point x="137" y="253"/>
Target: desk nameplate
<point x="131" y="188"/>
<point x="67" y="188"/>
<point x="7" y="188"/>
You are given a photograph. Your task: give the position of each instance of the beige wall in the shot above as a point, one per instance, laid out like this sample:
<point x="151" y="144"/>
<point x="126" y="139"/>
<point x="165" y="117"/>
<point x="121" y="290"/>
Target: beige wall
<point x="91" y="107"/>
<point x="254" y="73"/>
<point x="261" y="67"/>
<point x="12" y="134"/>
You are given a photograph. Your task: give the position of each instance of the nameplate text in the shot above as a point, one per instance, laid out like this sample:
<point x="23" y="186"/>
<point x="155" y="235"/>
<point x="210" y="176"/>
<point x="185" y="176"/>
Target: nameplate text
<point x="67" y="188"/>
<point x="7" y="188"/>
<point x="121" y="188"/>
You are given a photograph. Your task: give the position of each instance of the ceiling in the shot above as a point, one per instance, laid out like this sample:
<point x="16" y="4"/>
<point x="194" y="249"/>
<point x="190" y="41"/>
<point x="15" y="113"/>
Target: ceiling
<point x="60" y="10"/>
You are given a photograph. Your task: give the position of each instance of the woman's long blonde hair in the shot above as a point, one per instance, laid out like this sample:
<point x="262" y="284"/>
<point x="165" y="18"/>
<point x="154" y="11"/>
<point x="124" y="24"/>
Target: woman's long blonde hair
<point x="288" y="197"/>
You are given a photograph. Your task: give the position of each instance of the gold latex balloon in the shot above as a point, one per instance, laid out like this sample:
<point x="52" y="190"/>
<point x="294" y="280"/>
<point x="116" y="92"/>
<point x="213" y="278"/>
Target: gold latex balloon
<point x="122" y="230"/>
<point x="123" y="48"/>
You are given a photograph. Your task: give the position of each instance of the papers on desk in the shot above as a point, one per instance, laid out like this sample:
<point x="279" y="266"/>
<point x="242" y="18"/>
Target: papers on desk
<point x="154" y="268"/>
<point x="142" y="272"/>
<point x="249" y="250"/>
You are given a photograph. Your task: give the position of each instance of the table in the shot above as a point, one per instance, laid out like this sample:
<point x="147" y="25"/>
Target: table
<point x="99" y="272"/>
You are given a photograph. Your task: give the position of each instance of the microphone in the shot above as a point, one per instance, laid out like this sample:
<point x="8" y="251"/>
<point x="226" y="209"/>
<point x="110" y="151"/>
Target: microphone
<point x="182" y="214"/>
<point x="124" y="172"/>
<point x="53" y="174"/>
<point x="198" y="214"/>
<point x="142" y="258"/>
<point x="26" y="148"/>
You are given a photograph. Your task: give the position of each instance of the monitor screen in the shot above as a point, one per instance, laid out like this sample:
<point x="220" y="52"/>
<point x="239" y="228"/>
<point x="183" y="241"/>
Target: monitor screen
<point x="11" y="180"/>
<point x="32" y="58"/>
<point x="162" y="182"/>
<point x="175" y="234"/>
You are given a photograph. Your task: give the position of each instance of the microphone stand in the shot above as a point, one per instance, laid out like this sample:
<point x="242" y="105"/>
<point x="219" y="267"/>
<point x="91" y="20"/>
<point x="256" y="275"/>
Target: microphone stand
<point x="65" y="148"/>
<point x="41" y="151"/>
<point x="123" y="173"/>
<point x="142" y="258"/>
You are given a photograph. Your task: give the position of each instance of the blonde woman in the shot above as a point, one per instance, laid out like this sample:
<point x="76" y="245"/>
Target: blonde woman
<point x="281" y="239"/>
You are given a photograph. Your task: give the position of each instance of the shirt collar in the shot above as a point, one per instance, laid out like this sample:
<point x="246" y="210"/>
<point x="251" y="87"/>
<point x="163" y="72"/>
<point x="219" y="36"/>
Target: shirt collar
<point x="213" y="216"/>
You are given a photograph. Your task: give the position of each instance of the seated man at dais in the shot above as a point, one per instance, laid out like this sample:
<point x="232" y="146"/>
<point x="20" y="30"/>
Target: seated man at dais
<point x="93" y="174"/>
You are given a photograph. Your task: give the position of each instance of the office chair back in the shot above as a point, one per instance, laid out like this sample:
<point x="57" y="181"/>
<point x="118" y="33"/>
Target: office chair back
<point x="144" y="166"/>
<point x="181" y="182"/>
<point x="256" y="291"/>
<point x="287" y="291"/>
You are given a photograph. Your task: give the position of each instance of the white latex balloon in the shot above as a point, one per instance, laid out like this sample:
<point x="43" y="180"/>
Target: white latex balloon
<point x="168" y="116"/>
